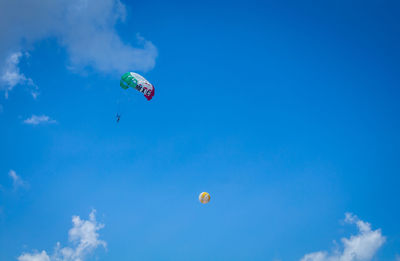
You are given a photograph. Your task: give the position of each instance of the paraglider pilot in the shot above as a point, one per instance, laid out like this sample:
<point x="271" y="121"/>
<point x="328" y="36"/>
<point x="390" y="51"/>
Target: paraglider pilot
<point x="118" y="117"/>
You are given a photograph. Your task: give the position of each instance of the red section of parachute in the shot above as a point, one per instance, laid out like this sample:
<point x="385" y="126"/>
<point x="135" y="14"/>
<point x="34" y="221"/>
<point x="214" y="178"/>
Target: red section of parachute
<point x="150" y="96"/>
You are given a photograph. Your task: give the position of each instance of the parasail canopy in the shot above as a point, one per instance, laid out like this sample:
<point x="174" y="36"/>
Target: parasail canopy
<point x="204" y="197"/>
<point x="138" y="82"/>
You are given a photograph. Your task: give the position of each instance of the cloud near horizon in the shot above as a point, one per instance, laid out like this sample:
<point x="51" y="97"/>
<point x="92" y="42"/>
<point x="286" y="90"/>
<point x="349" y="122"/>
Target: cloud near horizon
<point x="84" y="238"/>
<point x="85" y="28"/>
<point x="360" y="247"/>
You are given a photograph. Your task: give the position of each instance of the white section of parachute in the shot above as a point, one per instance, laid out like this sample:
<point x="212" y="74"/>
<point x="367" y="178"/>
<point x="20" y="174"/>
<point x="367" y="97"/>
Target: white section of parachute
<point x="142" y="81"/>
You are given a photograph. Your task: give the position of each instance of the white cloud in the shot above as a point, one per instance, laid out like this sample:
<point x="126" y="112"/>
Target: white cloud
<point x="11" y="75"/>
<point x="17" y="180"/>
<point x="360" y="247"/>
<point x="84" y="239"/>
<point x="42" y="256"/>
<point x="35" y="120"/>
<point x="85" y="28"/>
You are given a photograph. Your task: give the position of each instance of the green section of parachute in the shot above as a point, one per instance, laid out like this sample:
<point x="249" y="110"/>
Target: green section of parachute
<point x="128" y="80"/>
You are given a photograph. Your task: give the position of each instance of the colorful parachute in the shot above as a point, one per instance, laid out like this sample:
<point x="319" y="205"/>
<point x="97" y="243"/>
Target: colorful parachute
<point x="138" y="82"/>
<point x="204" y="197"/>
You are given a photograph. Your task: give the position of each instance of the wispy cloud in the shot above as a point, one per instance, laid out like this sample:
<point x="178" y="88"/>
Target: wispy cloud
<point x="360" y="247"/>
<point x="83" y="237"/>
<point x="42" y="256"/>
<point x="17" y="180"/>
<point x="86" y="29"/>
<point x="35" y="120"/>
<point x="11" y="76"/>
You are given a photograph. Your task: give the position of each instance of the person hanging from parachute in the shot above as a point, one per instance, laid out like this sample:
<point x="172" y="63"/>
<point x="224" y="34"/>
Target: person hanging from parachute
<point x="118" y="117"/>
<point x="138" y="82"/>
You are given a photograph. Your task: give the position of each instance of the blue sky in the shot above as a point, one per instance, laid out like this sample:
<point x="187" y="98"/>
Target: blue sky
<point x="285" y="112"/>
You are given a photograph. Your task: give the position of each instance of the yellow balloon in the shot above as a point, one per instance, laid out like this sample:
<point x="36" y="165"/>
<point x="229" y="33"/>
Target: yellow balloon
<point x="204" y="197"/>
